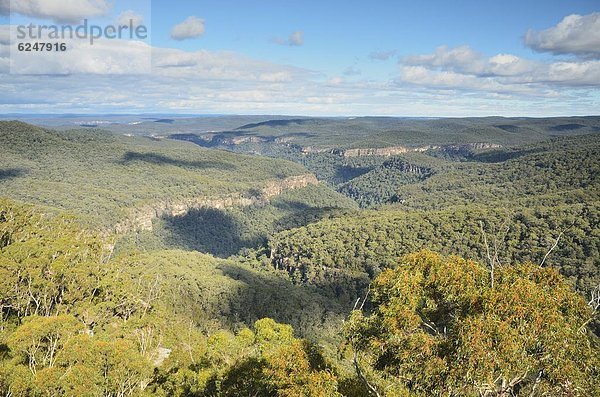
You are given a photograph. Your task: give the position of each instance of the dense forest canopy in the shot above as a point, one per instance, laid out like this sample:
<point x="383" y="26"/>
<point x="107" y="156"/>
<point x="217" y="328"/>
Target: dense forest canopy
<point x="304" y="264"/>
<point x="101" y="175"/>
<point x="446" y="327"/>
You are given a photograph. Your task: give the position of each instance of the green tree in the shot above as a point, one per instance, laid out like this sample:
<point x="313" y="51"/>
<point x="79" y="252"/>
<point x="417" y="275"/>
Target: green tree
<point x="38" y="342"/>
<point x="266" y="361"/>
<point x="438" y="327"/>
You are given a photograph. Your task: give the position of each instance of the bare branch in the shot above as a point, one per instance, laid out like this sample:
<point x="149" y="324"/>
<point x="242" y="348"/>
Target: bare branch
<point x="363" y="379"/>
<point x="594" y="303"/>
<point x="366" y="296"/>
<point x="503" y="239"/>
<point x="551" y="248"/>
<point x="372" y="390"/>
<point x="535" y="385"/>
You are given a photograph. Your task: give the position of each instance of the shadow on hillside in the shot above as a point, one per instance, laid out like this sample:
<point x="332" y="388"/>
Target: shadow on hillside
<point x="307" y="216"/>
<point x="291" y="205"/>
<point x="269" y="295"/>
<point x="499" y="156"/>
<point x="159" y="159"/>
<point x="206" y="230"/>
<point x="509" y="128"/>
<point x="272" y="123"/>
<point x="567" y="127"/>
<point x="223" y="233"/>
<point x="10" y="173"/>
<point x="345" y="173"/>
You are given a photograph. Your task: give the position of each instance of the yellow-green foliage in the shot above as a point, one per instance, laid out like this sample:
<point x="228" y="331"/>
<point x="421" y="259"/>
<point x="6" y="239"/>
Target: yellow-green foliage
<point x="342" y="253"/>
<point x="64" y="361"/>
<point x="265" y="361"/>
<point x="75" y="322"/>
<point x="438" y="327"/>
<point x="100" y="176"/>
<point x="48" y="265"/>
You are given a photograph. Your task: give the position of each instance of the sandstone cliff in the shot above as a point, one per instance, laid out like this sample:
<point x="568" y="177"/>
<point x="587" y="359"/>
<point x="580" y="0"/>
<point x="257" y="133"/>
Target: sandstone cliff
<point x="141" y="218"/>
<point x="395" y="150"/>
<point x="386" y="151"/>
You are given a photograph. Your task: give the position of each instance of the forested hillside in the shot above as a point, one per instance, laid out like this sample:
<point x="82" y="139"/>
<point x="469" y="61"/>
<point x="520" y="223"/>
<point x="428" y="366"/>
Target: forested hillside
<point x="561" y="170"/>
<point x="342" y="255"/>
<point x="101" y="175"/>
<point x="417" y="162"/>
<point x="322" y="134"/>
<point x="142" y="266"/>
<point x="76" y="321"/>
<point x="154" y="192"/>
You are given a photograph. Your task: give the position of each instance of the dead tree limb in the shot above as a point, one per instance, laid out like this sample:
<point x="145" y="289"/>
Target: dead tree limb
<point x="594" y="304"/>
<point x="372" y="390"/>
<point x="551" y="248"/>
<point x="361" y="376"/>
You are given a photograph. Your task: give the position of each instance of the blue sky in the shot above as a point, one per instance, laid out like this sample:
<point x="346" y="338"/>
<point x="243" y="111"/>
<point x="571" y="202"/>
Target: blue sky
<point x="337" y="33"/>
<point x="406" y="58"/>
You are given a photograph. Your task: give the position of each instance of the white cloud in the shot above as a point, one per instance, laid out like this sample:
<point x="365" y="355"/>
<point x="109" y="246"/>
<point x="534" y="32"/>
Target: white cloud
<point x="421" y="76"/>
<point x="107" y="79"/>
<point x="114" y="57"/>
<point x="223" y="65"/>
<point x="508" y="65"/>
<point x="61" y="11"/>
<point x="467" y="70"/>
<point x="575" y="34"/>
<point x="4" y="34"/>
<point x="160" y="93"/>
<point x="191" y="28"/>
<point x="130" y="16"/>
<point x="296" y="39"/>
<point x="574" y="74"/>
<point x="465" y="60"/>
<point x="460" y="59"/>
<point x="105" y="56"/>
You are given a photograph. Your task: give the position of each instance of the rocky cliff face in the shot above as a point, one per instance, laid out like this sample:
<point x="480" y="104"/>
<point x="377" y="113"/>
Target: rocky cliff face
<point x="406" y="167"/>
<point x="141" y="218"/>
<point x="467" y="147"/>
<point x="387" y="151"/>
<point x="395" y="150"/>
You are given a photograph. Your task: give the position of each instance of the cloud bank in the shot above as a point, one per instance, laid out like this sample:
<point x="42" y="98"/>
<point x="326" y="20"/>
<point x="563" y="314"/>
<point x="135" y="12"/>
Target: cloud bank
<point x="448" y="81"/>
<point x="60" y="11"/>
<point x="130" y="16"/>
<point x="576" y="34"/>
<point x="462" y="68"/>
<point x="191" y="28"/>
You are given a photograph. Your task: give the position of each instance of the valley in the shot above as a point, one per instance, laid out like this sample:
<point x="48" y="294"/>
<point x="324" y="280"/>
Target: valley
<point x="199" y="252"/>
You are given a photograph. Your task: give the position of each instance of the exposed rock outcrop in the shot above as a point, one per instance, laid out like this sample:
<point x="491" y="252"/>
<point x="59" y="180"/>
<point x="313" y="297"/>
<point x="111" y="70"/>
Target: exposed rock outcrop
<point x="141" y="218"/>
<point x="395" y="150"/>
<point x="386" y="151"/>
<point x="312" y="149"/>
<point x="470" y="146"/>
<point x="406" y="167"/>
